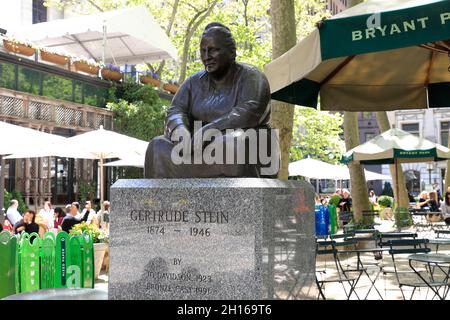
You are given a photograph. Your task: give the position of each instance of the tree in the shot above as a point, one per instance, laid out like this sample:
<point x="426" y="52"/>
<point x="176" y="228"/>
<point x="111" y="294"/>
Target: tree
<point x="283" y="39"/>
<point x="317" y="134"/>
<point x="139" y="113"/>
<point x="447" y="173"/>
<point x="357" y="178"/>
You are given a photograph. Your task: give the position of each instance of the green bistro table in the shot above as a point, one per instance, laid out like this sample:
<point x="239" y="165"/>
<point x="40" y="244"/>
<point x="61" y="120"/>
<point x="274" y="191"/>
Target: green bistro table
<point x="433" y="260"/>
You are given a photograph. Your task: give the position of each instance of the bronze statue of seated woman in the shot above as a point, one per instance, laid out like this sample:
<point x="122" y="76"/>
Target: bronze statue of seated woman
<point x="218" y="123"/>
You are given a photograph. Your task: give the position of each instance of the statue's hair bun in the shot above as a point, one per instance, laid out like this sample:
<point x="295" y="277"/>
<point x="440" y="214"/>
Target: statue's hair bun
<point x="216" y="25"/>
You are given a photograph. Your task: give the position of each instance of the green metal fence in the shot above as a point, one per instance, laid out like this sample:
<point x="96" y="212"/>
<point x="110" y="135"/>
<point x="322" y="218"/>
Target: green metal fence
<point x="29" y="263"/>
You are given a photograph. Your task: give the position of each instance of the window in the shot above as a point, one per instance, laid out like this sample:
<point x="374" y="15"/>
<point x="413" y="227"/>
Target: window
<point x="411" y="128"/>
<point x="56" y="87"/>
<point x="29" y="80"/>
<point x="369" y="135"/>
<point x="25" y="79"/>
<point x="39" y="11"/>
<point x="7" y="75"/>
<point x="445" y="126"/>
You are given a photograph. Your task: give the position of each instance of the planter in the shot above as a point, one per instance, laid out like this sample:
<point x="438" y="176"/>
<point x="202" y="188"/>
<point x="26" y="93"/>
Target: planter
<point x="172" y="88"/>
<point x="85" y="67"/>
<point x="18" y="48"/>
<point x="99" y="254"/>
<point x="54" y="58"/>
<point x="150" y="80"/>
<point x="111" y="75"/>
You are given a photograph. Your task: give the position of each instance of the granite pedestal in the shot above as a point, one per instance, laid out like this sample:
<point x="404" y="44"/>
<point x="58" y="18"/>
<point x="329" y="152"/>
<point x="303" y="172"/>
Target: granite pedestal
<point x="240" y="238"/>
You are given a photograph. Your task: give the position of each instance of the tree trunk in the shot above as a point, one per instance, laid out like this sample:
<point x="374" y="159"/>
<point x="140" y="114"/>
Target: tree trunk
<point x="360" y="197"/>
<point x="403" y="199"/>
<point x="282" y="14"/>
<point x="447" y="173"/>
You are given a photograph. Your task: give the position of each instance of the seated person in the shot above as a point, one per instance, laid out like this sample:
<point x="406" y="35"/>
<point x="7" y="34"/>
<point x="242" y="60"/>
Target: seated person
<point x="27" y="224"/>
<point x="12" y="214"/>
<point x="434" y="206"/>
<point x="92" y="216"/>
<point x="73" y="218"/>
<point x="433" y="202"/>
<point x="445" y="208"/>
<point x="59" y="215"/>
<point x="225" y="96"/>
<point x="423" y="201"/>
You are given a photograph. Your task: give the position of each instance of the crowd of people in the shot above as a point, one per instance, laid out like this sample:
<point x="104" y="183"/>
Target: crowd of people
<point x="345" y="201"/>
<point x="54" y="219"/>
<point x="439" y="208"/>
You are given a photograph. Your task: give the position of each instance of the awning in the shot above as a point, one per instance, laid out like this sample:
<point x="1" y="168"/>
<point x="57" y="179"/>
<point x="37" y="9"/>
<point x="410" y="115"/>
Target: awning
<point x="378" y="55"/>
<point x="132" y="36"/>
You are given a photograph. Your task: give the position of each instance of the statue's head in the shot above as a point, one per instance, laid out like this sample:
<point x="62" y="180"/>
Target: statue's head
<point x="217" y="49"/>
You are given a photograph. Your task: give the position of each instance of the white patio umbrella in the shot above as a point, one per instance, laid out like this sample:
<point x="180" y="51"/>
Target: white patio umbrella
<point x="370" y="175"/>
<point x="98" y="144"/>
<point x="316" y="169"/>
<point x="129" y="35"/>
<point x="396" y="146"/>
<point x="137" y="161"/>
<point x="15" y="138"/>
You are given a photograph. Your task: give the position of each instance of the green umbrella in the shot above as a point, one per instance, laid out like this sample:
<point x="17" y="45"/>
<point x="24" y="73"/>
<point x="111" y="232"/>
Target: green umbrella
<point x="396" y="146"/>
<point x="378" y="55"/>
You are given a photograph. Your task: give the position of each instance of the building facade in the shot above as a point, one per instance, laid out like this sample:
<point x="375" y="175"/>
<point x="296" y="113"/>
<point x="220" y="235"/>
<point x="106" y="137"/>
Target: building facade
<point x="48" y="98"/>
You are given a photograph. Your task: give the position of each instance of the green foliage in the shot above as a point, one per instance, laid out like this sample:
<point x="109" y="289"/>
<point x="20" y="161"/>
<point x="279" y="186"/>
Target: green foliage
<point x="402" y="217"/>
<point x="248" y="20"/>
<point x="18" y="196"/>
<point x="139" y="112"/>
<point x="87" y="191"/>
<point x="387" y="190"/>
<point x="97" y="235"/>
<point x="317" y="134"/>
<point x="386" y="201"/>
<point x="334" y="200"/>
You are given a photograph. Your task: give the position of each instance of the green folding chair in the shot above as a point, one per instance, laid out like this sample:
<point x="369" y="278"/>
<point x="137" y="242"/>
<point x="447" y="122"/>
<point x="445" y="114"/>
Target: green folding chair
<point x="48" y="261"/>
<point x="29" y="262"/>
<point x="75" y="262"/>
<point x="8" y="266"/>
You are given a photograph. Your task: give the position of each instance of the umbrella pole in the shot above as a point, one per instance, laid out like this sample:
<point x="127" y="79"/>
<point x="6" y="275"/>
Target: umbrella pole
<point x="101" y="184"/>
<point x="104" y="41"/>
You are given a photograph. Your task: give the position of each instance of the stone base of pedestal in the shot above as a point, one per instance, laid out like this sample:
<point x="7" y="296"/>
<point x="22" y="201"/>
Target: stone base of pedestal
<point x="240" y="238"/>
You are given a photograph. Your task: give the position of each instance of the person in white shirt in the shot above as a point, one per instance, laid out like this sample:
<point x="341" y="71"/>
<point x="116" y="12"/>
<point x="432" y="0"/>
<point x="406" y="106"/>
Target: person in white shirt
<point x="77" y="206"/>
<point x="92" y="216"/>
<point x="47" y="214"/>
<point x="12" y="214"/>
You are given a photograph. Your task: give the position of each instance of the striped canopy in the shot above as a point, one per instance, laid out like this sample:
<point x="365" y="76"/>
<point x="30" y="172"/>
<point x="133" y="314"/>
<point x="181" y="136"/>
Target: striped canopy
<point x="399" y="145"/>
<point x="378" y="55"/>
